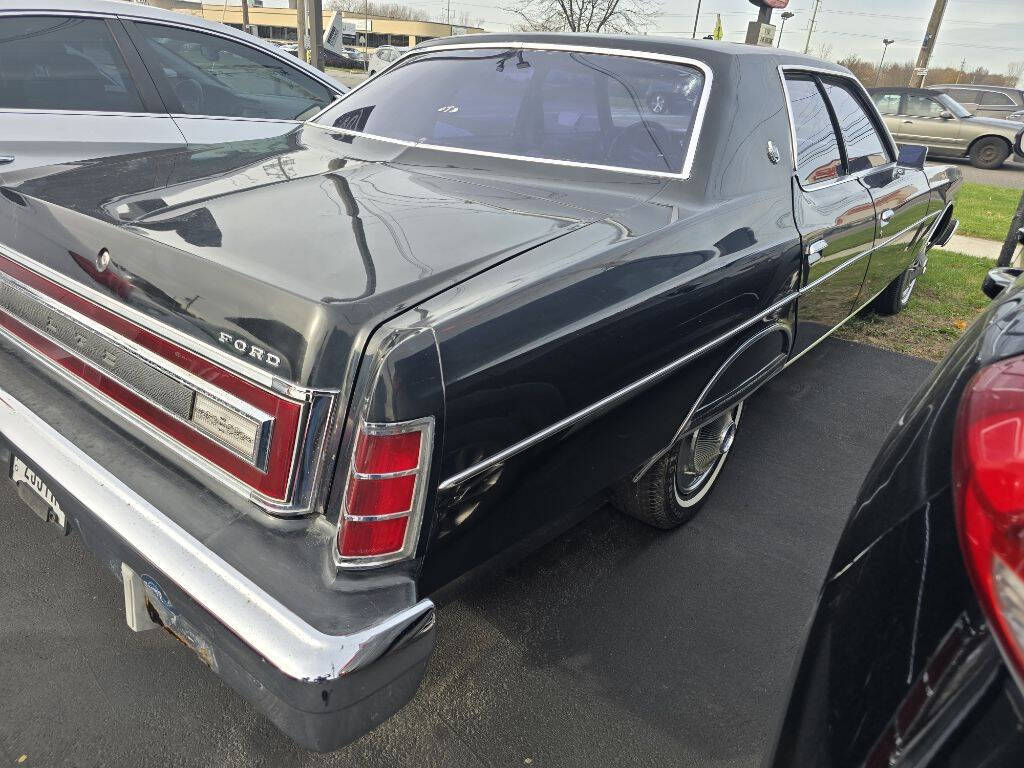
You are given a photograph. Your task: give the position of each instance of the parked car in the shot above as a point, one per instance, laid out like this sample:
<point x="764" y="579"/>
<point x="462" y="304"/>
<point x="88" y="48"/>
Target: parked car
<point x="987" y="100"/>
<point x="350" y="58"/>
<point x="88" y="78"/>
<point x="916" y="652"/>
<point x="384" y="57"/>
<point x="287" y="388"/>
<point x="934" y="119"/>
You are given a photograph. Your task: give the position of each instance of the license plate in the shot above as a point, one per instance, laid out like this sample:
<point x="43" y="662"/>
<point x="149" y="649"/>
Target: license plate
<point x="34" y="492"/>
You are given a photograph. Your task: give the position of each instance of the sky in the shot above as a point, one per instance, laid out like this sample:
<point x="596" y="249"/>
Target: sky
<point x="987" y="33"/>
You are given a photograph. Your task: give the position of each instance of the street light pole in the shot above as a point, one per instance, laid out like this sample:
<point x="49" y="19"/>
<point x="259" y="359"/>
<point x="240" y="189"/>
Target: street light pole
<point x="782" y="27"/>
<point x="886" y="42"/>
<point x="695" y="19"/>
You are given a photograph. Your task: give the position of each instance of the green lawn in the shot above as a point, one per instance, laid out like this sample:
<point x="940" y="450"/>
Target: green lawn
<point x="946" y="300"/>
<point x="985" y="211"/>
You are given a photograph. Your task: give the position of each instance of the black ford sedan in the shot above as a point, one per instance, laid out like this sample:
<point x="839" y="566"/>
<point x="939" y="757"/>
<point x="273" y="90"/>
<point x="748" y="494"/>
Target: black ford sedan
<point x="287" y="387"/>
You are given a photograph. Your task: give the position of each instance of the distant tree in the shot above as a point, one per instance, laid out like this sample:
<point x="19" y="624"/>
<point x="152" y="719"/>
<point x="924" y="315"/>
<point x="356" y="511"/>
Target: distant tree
<point x="1014" y="71"/>
<point x="622" y="16"/>
<point x="864" y="71"/>
<point x="823" y="51"/>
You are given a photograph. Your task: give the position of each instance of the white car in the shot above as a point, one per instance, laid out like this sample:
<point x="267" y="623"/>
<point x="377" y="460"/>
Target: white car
<point x="81" y="79"/>
<point x="384" y="57"/>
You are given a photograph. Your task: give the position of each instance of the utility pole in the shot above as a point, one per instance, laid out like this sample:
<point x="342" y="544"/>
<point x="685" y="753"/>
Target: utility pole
<point x="886" y="42"/>
<point x="782" y="27"/>
<point x="960" y="72"/>
<point x="449" y="14"/>
<point x="810" y="27"/>
<point x="931" y="35"/>
<point x="695" y="19"/>
<point x="315" y="41"/>
<point x="300" y="28"/>
<point x="245" y="15"/>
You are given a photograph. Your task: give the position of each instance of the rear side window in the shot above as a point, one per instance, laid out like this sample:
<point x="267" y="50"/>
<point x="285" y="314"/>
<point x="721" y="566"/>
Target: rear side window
<point x="864" y="147"/>
<point x="964" y="95"/>
<point x="817" y="149"/>
<point x="923" y="106"/>
<point x="996" y="99"/>
<point x="599" y="109"/>
<point x="55" y="62"/>
<point x="887" y="103"/>
<point x="201" y="74"/>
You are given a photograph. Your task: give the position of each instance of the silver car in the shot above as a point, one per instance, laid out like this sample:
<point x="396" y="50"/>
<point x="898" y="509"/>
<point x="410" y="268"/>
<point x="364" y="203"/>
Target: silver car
<point x="988" y="100"/>
<point x="81" y="79"/>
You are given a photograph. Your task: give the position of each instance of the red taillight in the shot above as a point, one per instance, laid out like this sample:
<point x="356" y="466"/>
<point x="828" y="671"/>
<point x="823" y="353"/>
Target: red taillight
<point x="988" y="471"/>
<point x="384" y="495"/>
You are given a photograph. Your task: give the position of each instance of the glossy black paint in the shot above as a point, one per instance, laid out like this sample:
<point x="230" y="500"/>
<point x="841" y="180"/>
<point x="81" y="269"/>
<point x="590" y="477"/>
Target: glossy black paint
<point x="538" y="289"/>
<point x="898" y="667"/>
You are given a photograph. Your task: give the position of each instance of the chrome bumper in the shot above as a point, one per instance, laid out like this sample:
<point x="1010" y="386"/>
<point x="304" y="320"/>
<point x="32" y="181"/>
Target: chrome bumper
<point x="322" y="689"/>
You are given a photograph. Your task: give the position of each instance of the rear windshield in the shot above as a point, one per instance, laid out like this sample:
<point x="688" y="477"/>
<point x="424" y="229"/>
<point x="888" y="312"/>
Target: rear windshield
<point x="589" y="108"/>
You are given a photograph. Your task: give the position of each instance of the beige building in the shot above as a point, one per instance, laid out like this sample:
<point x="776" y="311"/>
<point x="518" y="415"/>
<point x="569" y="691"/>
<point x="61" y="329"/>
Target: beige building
<point x="280" y="23"/>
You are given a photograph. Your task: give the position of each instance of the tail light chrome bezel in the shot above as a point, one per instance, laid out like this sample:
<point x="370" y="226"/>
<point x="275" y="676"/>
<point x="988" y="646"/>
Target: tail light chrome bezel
<point x="415" y="514"/>
<point x="283" y="473"/>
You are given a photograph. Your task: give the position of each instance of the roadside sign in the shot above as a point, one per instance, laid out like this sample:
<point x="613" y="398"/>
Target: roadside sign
<point x="760" y="34"/>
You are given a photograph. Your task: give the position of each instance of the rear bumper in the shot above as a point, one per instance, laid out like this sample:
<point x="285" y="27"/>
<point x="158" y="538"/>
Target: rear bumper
<point x="323" y="689"/>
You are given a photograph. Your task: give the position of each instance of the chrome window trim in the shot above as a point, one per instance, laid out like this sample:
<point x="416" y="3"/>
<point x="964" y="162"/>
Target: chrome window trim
<point x="879" y="124"/>
<point x="183" y="377"/>
<point x="655" y="376"/>
<point x="304" y="485"/>
<point x="80" y="112"/>
<point x="691" y="150"/>
<point x="287" y="641"/>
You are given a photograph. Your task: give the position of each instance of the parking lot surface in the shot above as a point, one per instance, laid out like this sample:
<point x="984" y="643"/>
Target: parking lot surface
<point x="614" y="645"/>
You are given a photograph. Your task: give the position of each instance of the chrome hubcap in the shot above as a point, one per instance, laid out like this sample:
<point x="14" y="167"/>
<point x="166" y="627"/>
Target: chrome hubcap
<point x="702" y="451"/>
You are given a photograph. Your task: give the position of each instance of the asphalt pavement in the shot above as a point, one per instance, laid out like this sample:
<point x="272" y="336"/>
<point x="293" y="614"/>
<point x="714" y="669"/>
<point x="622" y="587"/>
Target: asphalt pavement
<point x="1011" y="174"/>
<point x="613" y="645"/>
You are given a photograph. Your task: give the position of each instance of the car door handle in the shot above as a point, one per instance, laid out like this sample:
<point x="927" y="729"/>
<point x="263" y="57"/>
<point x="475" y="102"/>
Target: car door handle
<point x="886" y="217"/>
<point x="814" y="251"/>
<point x="5" y="159"/>
<point x="908" y="122"/>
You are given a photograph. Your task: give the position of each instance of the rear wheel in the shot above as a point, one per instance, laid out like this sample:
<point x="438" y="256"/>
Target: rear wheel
<point x="896" y="296"/>
<point x="672" y="491"/>
<point x="989" y="153"/>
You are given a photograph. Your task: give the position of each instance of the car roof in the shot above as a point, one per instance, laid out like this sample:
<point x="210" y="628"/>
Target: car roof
<point x="147" y="12"/>
<point x="704" y="50"/>
<point x="979" y="87"/>
<point x="906" y="90"/>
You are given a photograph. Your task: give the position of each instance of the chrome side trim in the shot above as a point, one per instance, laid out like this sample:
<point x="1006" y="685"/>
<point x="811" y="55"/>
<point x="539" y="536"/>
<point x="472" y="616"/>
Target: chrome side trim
<point x="832" y="330"/>
<point x="651" y="378"/>
<point x="774" y="328"/>
<point x="285" y="640"/>
<point x="691" y="151"/>
<point x="614" y="397"/>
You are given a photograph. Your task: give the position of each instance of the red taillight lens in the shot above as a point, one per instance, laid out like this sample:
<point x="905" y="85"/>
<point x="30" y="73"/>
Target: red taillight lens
<point x="384" y="500"/>
<point x="988" y="471"/>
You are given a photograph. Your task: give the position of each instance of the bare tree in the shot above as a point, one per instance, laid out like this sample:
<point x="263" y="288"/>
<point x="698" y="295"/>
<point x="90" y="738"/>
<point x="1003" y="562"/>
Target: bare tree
<point x="1014" y="71"/>
<point x="621" y="16"/>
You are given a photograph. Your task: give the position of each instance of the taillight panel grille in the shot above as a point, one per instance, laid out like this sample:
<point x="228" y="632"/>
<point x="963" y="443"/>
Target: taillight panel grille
<point x="223" y="422"/>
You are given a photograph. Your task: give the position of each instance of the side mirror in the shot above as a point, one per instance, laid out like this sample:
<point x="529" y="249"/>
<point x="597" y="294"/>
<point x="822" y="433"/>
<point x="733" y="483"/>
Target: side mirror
<point x="912" y="156"/>
<point x="946" y="114"/>
<point x="999" y="279"/>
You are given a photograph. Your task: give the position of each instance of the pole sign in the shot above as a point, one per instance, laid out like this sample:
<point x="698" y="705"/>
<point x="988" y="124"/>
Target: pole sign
<point x="770" y="3"/>
<point x="760" y="34"/>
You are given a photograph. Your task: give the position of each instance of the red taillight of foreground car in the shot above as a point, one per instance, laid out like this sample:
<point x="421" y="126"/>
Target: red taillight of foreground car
<point x="385" y="492"/>
<point x="988" y="470"/>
